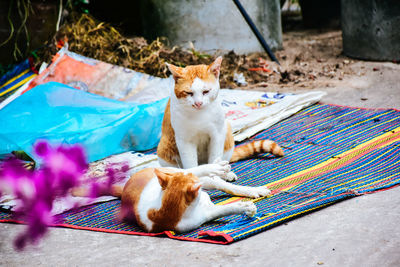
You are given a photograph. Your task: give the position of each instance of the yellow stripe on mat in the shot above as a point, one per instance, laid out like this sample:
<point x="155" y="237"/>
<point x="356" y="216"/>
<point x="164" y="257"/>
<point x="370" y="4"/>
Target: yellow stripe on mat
<point x="17" y="85"/>
<point x="328" y="165"/>
<point x="16" y="77"/>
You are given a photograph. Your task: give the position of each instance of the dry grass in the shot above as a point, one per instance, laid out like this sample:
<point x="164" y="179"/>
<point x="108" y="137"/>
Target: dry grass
<point x="89" y="37"/>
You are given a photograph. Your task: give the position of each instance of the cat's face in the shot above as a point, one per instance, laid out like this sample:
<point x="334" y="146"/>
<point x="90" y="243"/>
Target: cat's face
<point x="196" y="86"/>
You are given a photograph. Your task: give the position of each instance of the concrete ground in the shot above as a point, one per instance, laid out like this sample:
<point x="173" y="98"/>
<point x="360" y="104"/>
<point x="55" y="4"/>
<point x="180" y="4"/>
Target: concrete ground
<point x="362" y="231"/>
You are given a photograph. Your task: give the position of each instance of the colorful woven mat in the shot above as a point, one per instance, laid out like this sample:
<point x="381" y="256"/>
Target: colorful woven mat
<point x="332" y="153"/>
<point x="15" y="78"/>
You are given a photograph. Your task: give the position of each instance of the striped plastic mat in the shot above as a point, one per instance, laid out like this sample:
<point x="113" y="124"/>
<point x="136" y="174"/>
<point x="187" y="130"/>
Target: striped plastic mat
<point x="332" y="153"/>
<point x="15" y="78"/>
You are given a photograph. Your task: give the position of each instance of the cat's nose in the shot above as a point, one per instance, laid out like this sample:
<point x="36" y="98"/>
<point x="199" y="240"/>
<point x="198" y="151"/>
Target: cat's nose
<point x="198" y="104"/>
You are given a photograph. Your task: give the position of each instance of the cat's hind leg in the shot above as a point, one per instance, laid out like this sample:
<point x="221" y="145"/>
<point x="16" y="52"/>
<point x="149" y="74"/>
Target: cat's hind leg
<point x="227" y="155"/>
<point x="164" y="163"/>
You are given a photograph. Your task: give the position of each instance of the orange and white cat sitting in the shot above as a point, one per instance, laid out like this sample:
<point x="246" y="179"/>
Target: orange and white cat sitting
<point x="194" y="129"/>
<point x="172" y="199"/>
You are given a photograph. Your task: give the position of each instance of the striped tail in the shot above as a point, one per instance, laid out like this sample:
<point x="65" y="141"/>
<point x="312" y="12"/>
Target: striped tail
<point x="253" y="148"/>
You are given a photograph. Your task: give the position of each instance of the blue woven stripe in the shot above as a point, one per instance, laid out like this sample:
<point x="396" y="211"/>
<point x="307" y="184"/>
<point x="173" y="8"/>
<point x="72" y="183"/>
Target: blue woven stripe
<point x="17" y="83"/>
<point x="17" y="69"/>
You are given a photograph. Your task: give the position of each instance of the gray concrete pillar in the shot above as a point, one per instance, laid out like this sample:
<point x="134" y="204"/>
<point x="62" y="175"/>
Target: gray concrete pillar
<point x="213" y="24"/>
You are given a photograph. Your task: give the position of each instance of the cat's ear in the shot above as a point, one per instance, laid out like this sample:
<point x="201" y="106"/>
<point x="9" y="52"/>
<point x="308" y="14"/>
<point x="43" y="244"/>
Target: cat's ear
<point x="192" y="192"/>
<point x="163" y="178"/>
<point x="176" y="71"/>
<point x="215" y="67"/>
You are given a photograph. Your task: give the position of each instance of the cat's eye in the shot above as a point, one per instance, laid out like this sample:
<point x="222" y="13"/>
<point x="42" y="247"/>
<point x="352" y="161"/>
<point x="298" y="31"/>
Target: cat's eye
<point x="189" y="93"/>
<point x="206" y="92"/>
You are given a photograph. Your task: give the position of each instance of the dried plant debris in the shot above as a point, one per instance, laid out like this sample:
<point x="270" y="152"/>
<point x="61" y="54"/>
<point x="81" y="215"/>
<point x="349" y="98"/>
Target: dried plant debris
<point x="92" y="38"/>
<point x="89" y="37"/>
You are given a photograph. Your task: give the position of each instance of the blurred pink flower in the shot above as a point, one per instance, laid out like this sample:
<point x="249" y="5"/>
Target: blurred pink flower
<point x="62" y="169"/>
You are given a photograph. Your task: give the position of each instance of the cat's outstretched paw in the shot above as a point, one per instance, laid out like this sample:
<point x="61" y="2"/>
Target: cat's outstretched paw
<point x="248" y="207"/>
<point x="260" y="191"/>
<point x="221" y="169"/>
<point x="255" y="192"/>
<point x="230" y="177"/>
<point x="226" y="174"/>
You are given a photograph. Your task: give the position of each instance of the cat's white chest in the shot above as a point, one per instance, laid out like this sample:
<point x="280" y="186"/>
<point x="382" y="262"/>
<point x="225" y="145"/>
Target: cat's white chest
<point x="199" y="127"/>
<point x="196" y="123"/>
<point x="202" y="142"/>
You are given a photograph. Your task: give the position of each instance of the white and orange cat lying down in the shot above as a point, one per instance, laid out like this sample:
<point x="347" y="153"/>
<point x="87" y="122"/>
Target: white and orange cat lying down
<point x="194" y="128"/>
<point x="172" y="199"/>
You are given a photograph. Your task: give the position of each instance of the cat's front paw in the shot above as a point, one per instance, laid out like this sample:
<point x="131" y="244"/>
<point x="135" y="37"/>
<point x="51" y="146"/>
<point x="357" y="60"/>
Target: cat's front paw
<point x="249" y="208"/>
<point x="226" y="174"/>
<point x="256" y="192"/>
<point x="230" y="177"/>
<point x="262" y="191"/>
<point x="220" y="168"/>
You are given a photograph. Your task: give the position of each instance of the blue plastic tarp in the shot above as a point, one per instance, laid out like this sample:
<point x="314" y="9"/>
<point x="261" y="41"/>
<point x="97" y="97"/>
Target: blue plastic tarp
<point x="64" y="115"/>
